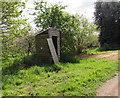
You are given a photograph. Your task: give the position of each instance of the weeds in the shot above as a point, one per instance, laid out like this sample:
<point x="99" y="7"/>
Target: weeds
<point x="63" y="79"/>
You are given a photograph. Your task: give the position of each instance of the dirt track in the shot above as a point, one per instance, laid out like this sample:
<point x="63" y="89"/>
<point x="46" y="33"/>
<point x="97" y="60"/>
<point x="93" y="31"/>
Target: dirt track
<point x="110" y="87"/>
<point x="112" y="56"/>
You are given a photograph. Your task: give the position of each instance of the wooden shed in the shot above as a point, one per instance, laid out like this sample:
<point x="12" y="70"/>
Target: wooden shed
<point x="47" y="45"/>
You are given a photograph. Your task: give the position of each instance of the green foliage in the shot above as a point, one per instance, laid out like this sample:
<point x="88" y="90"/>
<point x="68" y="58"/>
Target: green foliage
<point x="107" y="18"/>
<point x="25" y="45"/>
<point x="63" y="79"/>
<point x="48" y="16"/>
<point x="85" y="37"/>
<point x="13" y="27"/>
<point x="77" y="33"/>
<point x="54" y="16"/>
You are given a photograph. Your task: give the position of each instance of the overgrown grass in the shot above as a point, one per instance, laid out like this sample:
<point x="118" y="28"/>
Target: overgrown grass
<point x="97" y="51"/>
<point x="63" y="79"/>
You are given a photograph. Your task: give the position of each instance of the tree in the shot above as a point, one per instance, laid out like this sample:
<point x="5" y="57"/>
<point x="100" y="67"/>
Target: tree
<point x="48" y="16"/>
<point x="108" y="20"/>
<point x="13" y="26"/>
<point x="54" y="16"/>
<point x="85" y="36"/>
<point x="74" y="28"/>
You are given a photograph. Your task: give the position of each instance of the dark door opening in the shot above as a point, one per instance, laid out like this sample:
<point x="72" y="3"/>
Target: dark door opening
<point x="54" y="39"/>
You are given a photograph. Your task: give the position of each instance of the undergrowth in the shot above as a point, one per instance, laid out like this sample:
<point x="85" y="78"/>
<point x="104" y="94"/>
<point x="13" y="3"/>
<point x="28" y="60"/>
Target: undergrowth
<point x="63" y="79"/>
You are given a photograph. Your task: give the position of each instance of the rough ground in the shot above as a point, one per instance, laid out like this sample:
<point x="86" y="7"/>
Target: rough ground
<point x="110" y="87"/>
<point x="113" y="56"/>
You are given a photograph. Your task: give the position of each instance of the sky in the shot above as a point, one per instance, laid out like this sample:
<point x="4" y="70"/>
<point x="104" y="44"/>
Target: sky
<point x="85" y="7"/>
<point x="81" y="7"/>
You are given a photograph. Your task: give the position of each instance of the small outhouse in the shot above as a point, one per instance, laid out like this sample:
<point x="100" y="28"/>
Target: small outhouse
<point x="47" y="45"/>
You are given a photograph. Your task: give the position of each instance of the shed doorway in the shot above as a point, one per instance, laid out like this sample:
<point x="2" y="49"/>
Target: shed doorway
<point x="54" y="39"/>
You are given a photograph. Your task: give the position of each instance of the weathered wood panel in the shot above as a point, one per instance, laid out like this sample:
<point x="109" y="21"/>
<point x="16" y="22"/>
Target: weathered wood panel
<point x="42" y="47"/>
<point x="52" y="50"/>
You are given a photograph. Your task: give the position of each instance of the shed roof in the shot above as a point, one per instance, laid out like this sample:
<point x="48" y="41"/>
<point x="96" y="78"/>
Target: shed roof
<point x="46" y="31"/>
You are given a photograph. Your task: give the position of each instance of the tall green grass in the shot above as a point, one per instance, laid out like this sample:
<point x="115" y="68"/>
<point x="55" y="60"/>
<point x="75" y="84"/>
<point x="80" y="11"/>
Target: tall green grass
<point x="63" y="79"/>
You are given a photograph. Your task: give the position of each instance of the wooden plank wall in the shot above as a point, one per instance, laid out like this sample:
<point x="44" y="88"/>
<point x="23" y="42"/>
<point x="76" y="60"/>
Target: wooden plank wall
<point x="42" y="48"/>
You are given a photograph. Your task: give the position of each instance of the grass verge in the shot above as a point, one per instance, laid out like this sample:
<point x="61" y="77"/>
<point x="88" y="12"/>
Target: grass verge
<point x="98" y="51"/>
<point x="63" y="79"/>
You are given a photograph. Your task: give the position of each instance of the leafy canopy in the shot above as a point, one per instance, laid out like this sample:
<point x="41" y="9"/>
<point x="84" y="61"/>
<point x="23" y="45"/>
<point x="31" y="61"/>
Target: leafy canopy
<point x="75" y="28"/>
<point x="13" y="26"/>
